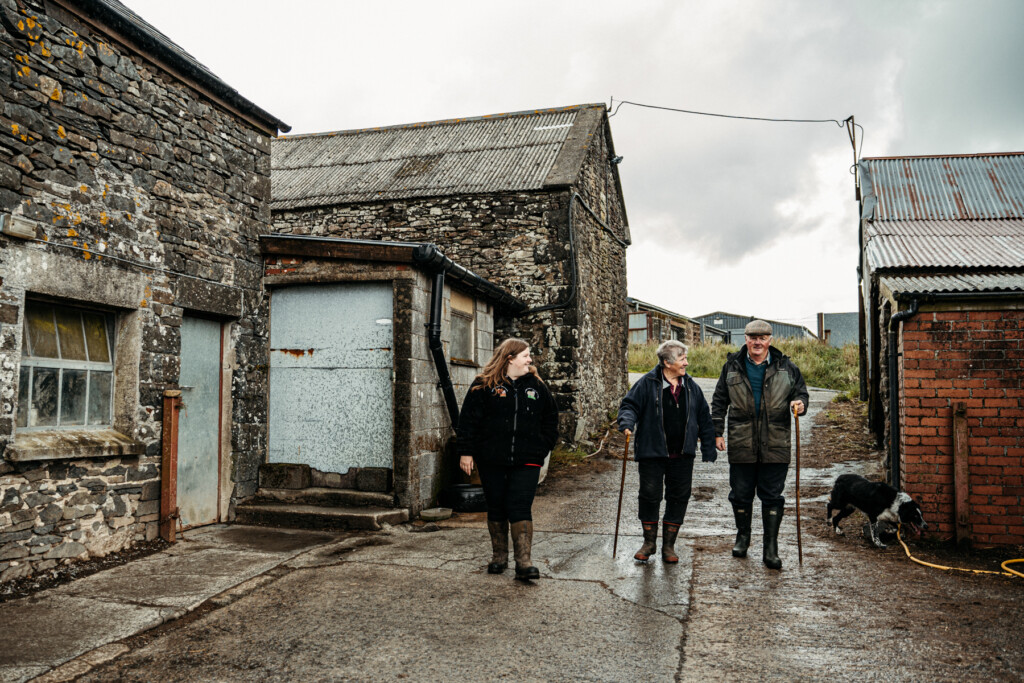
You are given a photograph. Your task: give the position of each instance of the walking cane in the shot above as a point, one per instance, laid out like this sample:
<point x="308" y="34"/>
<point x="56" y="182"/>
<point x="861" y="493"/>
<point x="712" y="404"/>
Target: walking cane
<point x="799" y="544"/>
<point x="622" y="486"/>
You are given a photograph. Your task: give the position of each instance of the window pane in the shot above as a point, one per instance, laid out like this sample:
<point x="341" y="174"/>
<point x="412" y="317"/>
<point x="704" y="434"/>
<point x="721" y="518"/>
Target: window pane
<point x="23" y="385"/>
<point x="638" y="337"/>
<point x="40" y="331"/>
<point x="44" y="398"/>
<point x="462" y="338"/>
<point x="72" y="397"/>
<point x="96" y="337"/>
<point x="99" y="398"/>
<point x="637" y="320"/>
<point x="69" y="334"/>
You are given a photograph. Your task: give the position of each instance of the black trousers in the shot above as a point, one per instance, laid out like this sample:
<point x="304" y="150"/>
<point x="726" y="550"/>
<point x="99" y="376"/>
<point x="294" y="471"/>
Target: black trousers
<point x="509" y="492"/>
<point x="671" y="477"/>
<point x="767" y="479"/>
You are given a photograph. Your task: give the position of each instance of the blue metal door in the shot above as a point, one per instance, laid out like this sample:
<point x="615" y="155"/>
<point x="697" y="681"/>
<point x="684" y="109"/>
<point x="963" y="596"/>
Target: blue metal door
<point x="331" y="375"/>
<point x="199" y="423"/>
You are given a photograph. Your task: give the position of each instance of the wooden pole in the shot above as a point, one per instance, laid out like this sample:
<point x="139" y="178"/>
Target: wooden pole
<point x="799" y="542"/>
<point x="169" y="465"/>
<point x="622" y="486"/>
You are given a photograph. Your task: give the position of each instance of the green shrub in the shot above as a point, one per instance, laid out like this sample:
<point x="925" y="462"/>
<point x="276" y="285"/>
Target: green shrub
<point x="822" y="366"/>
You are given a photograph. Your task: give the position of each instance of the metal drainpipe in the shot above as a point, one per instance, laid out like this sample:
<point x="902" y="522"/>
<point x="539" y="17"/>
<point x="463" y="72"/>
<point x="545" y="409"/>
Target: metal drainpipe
<point x="444" y="379"/>
<point x="894" y="393"/>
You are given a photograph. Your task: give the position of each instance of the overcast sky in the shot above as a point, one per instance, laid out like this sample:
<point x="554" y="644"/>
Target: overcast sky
<point x="747" y="217"/>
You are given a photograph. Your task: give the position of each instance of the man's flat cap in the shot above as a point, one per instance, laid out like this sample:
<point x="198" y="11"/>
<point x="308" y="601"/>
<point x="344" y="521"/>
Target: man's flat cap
<point x="755" y="327"/>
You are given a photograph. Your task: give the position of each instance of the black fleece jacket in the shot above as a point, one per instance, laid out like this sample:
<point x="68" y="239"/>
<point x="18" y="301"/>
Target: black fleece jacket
<point x="516" y="423"/>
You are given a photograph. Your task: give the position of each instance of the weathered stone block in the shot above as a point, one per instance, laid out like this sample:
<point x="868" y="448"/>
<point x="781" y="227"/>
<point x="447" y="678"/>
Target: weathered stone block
<point x="64" y="550"/>
<point x="376" y="479"/>
<point x="285" y="476"/>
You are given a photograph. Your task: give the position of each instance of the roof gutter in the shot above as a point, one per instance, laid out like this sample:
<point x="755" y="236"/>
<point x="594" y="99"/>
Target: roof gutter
<point x="894" y="392"/>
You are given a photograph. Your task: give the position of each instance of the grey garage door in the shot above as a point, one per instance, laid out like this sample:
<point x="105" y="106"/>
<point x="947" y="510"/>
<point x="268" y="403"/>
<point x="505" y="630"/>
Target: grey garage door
<point x="331" y="376"/>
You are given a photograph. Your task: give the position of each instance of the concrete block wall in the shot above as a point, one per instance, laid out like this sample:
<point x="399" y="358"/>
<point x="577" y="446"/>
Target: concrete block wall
<point x="974" y="357"/>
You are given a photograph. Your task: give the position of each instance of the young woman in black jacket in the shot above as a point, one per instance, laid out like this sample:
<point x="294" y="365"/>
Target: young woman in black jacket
<point x="508" y="424"/>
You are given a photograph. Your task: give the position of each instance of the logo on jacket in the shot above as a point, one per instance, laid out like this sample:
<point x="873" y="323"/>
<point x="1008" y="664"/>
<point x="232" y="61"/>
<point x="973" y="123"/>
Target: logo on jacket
<point x="499" y="391"/>
<point x="532" y="394"/>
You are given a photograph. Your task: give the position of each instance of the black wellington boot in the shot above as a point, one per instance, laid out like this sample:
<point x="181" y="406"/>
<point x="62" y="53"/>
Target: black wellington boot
<point x="499" y="546"/>
<point x="522" y="542"/>
<point x="669" y="532"/>
<point x="771" y="519"/>
<point x="650" y="542"/>
<point x="743" y="514"/>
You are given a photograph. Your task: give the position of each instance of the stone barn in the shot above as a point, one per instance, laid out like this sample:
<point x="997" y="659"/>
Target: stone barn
<point x="942" y="265"/>
<point x="361" y="402"/>
<point x="133" y="186"/>
<point x="650" y="324"/>
<point x="530" y="201"/>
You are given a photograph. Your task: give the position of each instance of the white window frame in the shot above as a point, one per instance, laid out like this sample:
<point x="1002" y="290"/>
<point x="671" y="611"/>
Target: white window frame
<point x="469" y="317"/>
<point x="31" y="362"/>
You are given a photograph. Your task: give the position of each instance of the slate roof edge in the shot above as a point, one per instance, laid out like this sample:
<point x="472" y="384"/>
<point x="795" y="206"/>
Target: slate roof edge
<point x="422" y="255"/>
<point x="113" y="17"/>
<point x="440" y="122"/>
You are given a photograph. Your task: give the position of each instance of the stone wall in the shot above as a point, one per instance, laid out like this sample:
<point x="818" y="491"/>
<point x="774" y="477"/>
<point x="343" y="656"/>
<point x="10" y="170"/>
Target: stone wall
<point x="520" y="242"/>
<point x="146" y="200"/>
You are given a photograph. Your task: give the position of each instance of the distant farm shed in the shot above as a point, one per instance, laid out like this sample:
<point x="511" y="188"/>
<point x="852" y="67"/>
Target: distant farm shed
<point x="649" y="324"/>
<point x="734" y="324"/>
<point x="942" y="264"/>
<point x="531" y="201"/>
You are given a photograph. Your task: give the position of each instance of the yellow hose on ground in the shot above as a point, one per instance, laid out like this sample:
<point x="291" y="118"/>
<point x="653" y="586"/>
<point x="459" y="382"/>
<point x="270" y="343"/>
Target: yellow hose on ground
<point x="1006" y="570"/>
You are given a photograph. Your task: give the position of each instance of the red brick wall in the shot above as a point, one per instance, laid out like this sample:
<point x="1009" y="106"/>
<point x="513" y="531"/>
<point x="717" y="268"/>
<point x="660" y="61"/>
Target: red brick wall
<point x="975" y="357"/>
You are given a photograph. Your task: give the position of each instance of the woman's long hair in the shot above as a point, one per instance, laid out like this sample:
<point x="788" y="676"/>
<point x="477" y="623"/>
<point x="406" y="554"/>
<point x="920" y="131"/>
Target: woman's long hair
<point x="496" y="369"/>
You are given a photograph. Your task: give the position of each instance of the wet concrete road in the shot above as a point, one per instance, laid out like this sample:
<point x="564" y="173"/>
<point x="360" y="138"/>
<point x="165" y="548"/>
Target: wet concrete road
<point x="419" y="606"/>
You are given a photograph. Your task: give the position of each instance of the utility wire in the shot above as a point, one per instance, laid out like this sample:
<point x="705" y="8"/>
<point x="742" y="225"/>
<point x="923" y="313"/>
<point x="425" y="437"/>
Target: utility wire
<point x="848" y="123"/>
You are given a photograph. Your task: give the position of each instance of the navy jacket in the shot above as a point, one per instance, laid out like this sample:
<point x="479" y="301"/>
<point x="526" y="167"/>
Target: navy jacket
<point x="516" y="423"/>
<point x="641" y="413"/>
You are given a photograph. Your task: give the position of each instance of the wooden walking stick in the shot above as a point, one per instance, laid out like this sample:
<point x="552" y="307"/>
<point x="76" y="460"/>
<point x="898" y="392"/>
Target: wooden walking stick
<point x="622" y="486"/>
<point x="799" y="544"/>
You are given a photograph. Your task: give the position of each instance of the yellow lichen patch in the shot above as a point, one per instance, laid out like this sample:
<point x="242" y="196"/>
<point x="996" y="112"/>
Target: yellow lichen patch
<point x="60" y="129"/>
<point x="84" y="189"/>
<point x="127" y="215"/>
<point x="14" y="128"/>
<point x="56" y="95"/>
<point x="72" y="232"/>
<point x="43" y="51"/>
<point x="24" y="72"/>
<point x="103" y="218"/>
<point x="143" y="304"/>
<point x="77" y="219"/>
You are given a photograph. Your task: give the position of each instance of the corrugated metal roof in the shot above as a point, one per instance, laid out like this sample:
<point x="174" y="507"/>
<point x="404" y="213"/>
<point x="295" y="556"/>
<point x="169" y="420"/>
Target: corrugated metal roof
<point x="947" y="187"/>
<point x="933" y="244"/>
<point x="961" y="282"/>
<point x="506" y="152"/>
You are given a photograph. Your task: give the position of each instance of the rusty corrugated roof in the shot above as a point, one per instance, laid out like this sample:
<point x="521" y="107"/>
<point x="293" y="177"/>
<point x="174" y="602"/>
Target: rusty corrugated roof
<point x="504" y="152"/>
<point x="934" y="213"/>
<point x="978" y="186"/>
<point x="945" y="244"/>
<point x="961" y="282"/>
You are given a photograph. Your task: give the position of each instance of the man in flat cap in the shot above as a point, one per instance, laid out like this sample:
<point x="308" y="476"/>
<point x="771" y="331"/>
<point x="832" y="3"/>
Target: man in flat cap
<point x="758" y="390"/>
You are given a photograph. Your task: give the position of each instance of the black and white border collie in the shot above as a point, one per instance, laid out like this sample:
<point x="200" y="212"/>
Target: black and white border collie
<point x="880" y="502"/>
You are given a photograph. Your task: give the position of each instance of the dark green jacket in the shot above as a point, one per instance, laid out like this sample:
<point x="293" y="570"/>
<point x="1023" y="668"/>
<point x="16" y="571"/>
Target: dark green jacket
<point x="754" y="437"/>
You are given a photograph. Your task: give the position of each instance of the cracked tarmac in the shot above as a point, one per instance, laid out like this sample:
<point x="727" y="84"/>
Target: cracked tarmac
<point x="278" y="605"/>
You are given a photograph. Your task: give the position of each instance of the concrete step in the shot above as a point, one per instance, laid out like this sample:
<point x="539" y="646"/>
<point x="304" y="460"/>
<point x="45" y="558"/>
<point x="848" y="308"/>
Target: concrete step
<point x="317" y="517"/>
<point x="325" y="497"/>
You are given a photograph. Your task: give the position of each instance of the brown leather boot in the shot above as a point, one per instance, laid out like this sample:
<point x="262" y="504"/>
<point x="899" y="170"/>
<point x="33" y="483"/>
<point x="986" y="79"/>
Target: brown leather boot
<point x="650" y="541"/>
<point x="522" y="543"/>
<point x="499" y="546"/>
<point x="669" y="531"/>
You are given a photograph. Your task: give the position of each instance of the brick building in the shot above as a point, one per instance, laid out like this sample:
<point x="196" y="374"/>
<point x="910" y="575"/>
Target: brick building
<point x="943" y="303"/>
<point x="133" y="186"/>
<point x="531" y="201"/>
